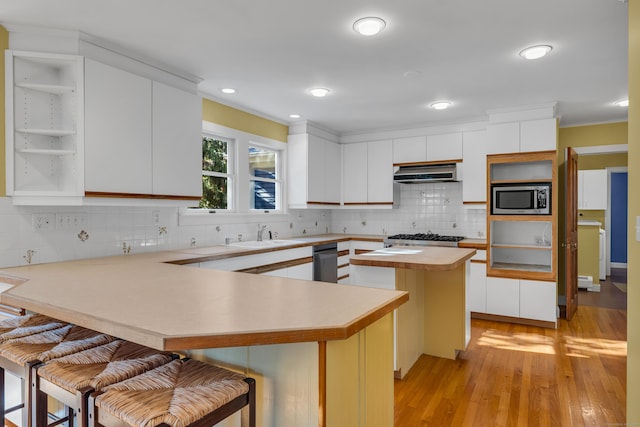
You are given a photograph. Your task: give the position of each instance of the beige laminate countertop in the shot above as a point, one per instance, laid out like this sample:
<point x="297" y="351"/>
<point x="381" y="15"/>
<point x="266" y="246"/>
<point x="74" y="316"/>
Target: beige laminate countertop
<point x="150" y="300"/>
<point x="429" y="258"/>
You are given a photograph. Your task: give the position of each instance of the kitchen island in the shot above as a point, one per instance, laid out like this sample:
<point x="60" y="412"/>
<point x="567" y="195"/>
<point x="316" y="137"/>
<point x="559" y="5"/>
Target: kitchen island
<point x="436" y="320"/>
<point x="321" y="353"/>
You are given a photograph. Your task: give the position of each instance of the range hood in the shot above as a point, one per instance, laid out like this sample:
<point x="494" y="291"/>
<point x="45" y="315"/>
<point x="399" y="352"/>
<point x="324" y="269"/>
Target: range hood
<point x="420" y="174"/>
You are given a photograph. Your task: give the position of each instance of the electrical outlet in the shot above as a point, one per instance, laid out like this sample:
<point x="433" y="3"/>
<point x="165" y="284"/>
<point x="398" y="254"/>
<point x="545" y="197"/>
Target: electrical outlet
<point x="65" y="221"/>
<point x="155" y="217"/>
<point x="42" y="221"/>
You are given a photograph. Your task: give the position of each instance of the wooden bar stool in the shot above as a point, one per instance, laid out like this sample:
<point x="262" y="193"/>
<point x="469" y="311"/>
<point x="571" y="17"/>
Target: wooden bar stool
<point x="19" y="355"/>
<point x="70" y="379"/>
<point x="18" y="327"/>
<point x="183" y="392"/>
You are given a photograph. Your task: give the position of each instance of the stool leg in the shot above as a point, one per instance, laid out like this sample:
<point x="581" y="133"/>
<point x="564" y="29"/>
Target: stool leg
<point x="2" y="408"/>
<point x="39" y="407"/>
<point x="248" y="413"/>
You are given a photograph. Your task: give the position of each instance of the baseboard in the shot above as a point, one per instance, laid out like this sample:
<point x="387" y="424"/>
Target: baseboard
<point x="509" y="319"/>
<point x="594" y="288"/>
<point x="618" y="265"/>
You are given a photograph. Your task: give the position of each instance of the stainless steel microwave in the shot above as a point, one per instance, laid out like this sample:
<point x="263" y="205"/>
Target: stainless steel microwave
<point x="521" y="199"/>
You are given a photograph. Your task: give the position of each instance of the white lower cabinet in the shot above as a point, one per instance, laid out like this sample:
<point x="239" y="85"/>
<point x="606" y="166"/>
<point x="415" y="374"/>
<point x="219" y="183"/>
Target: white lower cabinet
<point x="503" y="296"/>
<point x="538" y="300"/>
<point x="302" y="272"/>
<point x="527" y="299"/>
<point x="250" y="261"/>
<point x="478" y="287"/>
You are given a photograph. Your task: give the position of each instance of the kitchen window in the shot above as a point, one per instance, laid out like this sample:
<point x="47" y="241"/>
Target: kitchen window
<point x="217" y="173"/>
<point x="264" y="179"/>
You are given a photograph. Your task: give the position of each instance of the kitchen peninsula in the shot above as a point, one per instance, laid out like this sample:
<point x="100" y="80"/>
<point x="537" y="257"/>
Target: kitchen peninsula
<point x="436" y="320"/>
<point x="321" y="353"/>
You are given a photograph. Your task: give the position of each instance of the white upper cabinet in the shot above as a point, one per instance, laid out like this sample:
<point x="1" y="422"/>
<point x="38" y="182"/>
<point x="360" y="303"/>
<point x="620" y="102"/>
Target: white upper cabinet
<point x="523" y="136"/>
<point x="355" y="173"/>
<point x="538" y="135"/>
<point x="474" y="159"/>
<point x="313" y="171"/>
<point x="44" y="128"/>
<point x="380" y="173"/>
<point x="503" y="138"/>
<point x="143" y="137"/>
<point x="444" y="147"/>
<point x="368" y="174"/>
<point x="117" y="130"/>
<point x="410" y="150"/>
<point x="432" y="148"/>
<point x="592" y="189"/>
<point x="177" y="142"/>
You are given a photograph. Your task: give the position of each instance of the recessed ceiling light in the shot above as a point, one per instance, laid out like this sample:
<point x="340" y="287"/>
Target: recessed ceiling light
<point x="369" y="26"/>
<point x="228" y="90"/>
<point x="535" y="52"/>
<point x="622" y="103"/>
<point x="441" y="105"/>
<point x="319" y="92"/>
<point x="294" y="116"/>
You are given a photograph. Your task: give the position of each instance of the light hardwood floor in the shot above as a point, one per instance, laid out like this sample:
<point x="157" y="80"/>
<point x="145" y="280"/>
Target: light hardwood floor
<point x="514" y="375"/>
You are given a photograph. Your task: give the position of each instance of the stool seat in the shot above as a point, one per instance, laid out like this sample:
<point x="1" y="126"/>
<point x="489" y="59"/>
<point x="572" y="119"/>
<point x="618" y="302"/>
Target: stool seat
<point x="51" y="344"/>
<point x="179" y="393"/>
<point x="29" y="324"/>
<point x="100" y="366"/>
<point x="70" y="379"/>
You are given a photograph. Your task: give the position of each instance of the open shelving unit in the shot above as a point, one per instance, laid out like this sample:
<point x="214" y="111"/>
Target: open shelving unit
<point x="522" y="246"/>
<point x="45" y="124"/>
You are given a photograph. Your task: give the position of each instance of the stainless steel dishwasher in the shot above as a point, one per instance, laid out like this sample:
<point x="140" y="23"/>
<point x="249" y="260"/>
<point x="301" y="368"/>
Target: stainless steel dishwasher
<point x="325" y="262"/>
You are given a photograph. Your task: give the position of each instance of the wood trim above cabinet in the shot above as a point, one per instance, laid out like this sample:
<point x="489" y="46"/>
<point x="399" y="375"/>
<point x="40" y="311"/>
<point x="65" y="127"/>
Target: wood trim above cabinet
<point x="137" y="196"/>
<point x="509" y="319"/>
<point x="433" y="162"/>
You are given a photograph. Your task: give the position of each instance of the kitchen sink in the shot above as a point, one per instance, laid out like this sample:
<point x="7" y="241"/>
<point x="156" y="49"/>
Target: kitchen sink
<point x="255" y="244"/>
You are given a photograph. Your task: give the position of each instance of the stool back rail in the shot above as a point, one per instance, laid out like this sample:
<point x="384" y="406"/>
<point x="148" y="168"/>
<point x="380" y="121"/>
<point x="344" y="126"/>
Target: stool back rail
<point x="71" y="379"/>
<point x="181" y="393"/>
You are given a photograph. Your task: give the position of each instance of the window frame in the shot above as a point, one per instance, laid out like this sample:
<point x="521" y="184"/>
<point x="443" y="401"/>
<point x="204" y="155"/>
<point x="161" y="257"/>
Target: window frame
<point x="240" y="188"/>
<point x="230" y="175"/>
<point x="277" y="180"/>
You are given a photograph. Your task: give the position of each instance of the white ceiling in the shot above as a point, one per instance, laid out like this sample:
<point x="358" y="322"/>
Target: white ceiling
<point x="465" y="51"/>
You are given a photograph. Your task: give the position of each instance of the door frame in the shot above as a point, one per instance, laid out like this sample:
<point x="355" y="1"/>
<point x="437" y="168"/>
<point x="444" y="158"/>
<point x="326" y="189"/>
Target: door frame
<point x="607" y="214"/>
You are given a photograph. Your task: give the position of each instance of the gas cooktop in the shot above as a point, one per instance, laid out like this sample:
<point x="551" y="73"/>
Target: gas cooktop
<point x="422" y="239"/>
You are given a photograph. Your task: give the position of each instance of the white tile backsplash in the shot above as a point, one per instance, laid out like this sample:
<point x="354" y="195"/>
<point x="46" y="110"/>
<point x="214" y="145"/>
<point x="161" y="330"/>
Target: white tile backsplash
<point x="435" y="207"/>
<point x="112" y="230"/>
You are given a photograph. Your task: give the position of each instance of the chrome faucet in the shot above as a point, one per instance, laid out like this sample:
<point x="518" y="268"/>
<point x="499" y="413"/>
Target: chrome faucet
<point x="261" y="229"/>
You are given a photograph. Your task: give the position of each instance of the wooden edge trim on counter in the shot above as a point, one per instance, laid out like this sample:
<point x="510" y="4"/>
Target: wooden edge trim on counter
<point x="343" y="252"/>
<point x="471" y="202"/>
<point x="362" y="251"/>
<point x="11" y="280"/>
<point x="177" y="343"/>
<point x="496" y="271"/>
<point x="322" y="383"/>
<point x="472" y="245"/>
<point x="509" y="319"/>
<point x="433" y="162"/>
<point x="138" y="196"/>
<point x="276" y="266"/>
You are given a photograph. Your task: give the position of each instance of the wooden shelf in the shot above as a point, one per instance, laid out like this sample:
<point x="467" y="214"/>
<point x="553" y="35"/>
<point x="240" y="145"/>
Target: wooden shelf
<point x="522" y="218"/>
<point x="52" y="89"/>
<point x="521" y="267"/>
<point x="47" y="132"/>
<point x="521" y="246"/>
